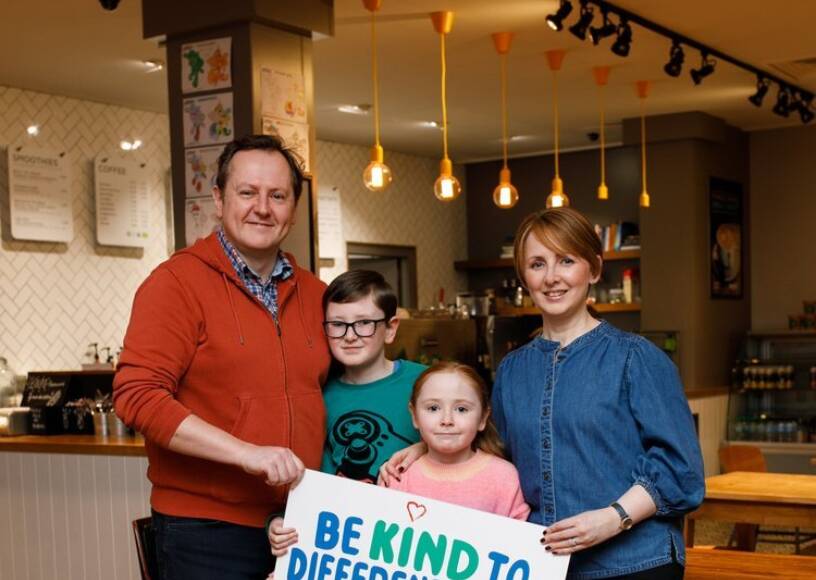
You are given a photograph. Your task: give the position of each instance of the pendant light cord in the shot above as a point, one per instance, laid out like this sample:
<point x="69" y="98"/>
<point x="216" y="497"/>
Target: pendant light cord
<point x="504" y="106"/>
<point x="374" y="79"/>
<point x="643" y="139"/>
<point x="444" y="101"/>
<point x="603" y="135"/>
<point x="555" y="115"/>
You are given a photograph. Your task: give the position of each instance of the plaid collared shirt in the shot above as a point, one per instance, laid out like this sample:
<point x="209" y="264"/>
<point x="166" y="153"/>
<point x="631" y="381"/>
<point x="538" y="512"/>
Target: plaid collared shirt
<point x="266" y="292"/>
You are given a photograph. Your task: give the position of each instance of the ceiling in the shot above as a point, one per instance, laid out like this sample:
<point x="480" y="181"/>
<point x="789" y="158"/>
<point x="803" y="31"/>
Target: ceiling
<point x="75" y="48"/>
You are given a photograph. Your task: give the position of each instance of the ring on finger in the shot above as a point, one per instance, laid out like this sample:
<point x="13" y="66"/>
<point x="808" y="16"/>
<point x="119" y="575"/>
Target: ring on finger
<point x="574" y="542"/>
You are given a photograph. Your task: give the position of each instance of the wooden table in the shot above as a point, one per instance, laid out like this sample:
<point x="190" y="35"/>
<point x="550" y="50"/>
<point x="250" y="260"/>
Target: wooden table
<point x="770" y="499"/>
<point x="75" y="444"/>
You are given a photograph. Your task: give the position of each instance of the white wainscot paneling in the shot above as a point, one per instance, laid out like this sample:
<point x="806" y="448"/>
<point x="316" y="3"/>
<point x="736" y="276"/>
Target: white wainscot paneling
<point x="69" y="516"/>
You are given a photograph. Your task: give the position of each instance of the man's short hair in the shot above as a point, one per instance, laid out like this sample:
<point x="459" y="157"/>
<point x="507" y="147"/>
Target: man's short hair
<point x="355" y="285"/>
<point x="261" y="143"/>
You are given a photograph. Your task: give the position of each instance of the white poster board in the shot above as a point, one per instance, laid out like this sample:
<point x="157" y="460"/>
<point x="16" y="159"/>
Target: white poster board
<point x="348" y="529"/>
<point x="208" y="120"/>
<point x="40" y="195"/>
<point x="200" y="170"/>
<point x="206" y="65"/>
<point x="122" y="202"/>
<point x="331" y="241"/>
<point x="200" y="218"/>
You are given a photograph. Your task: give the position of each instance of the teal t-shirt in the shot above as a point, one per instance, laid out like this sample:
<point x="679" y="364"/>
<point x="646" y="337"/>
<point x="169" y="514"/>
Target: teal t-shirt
<point x="368" y="423"/>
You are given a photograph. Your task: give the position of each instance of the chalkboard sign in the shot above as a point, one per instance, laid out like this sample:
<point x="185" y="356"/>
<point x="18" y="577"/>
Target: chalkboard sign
<point x="46" y="395"/>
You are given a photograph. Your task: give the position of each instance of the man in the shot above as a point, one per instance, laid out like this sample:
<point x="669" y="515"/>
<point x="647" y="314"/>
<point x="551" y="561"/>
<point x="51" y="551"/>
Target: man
<point x="221" y="372"/>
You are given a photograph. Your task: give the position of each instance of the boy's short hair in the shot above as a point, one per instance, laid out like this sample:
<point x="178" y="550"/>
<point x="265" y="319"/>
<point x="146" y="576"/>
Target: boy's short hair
<point x="355" y="285"/>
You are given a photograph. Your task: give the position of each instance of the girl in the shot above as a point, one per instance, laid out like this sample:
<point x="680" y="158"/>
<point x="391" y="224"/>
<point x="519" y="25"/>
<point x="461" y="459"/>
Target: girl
<point x="463" y="463"/>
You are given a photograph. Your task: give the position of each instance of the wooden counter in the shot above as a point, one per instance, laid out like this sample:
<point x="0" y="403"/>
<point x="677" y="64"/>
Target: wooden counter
<point x="75" y="444"/>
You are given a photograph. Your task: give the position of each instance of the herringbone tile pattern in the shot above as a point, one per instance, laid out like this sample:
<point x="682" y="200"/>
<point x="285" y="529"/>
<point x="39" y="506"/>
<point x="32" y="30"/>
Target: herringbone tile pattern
<point x="406" y="214"/>
<point x="57" y="298"/>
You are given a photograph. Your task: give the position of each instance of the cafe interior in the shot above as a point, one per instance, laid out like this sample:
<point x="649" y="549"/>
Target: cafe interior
<point x="429" y="129"/>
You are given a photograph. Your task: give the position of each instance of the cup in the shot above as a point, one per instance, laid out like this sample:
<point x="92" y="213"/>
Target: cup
<point x="100" y="421"/>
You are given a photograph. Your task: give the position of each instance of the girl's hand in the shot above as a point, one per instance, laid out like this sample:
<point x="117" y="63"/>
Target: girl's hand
<point x="582" y="531"/>
<point x="281" y="538"/>
<point x="399" y="462"/>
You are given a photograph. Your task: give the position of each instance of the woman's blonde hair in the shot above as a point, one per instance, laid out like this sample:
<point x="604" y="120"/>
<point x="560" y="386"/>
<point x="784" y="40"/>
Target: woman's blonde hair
<point x="487" y="439"/>
<point x="562" y="229"/>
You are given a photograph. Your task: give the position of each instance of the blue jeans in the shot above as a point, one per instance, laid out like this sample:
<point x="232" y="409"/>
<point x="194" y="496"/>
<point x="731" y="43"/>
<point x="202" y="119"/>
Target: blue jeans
<point x="200" y="549"/>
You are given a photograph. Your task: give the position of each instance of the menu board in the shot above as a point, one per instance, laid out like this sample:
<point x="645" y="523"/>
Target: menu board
<point x="122" y="202"/>
<point x="39" y="195"/>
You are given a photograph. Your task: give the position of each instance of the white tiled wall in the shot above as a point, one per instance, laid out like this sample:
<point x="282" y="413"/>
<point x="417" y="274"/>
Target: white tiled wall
<point x="57" y="298"/>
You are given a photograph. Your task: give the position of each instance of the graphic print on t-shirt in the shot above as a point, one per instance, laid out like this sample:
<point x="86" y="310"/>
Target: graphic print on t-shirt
<point x="360" y="441"/>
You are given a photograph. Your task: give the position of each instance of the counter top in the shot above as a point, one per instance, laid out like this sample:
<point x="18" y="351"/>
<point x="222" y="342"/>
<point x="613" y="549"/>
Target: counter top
<point x="75" y="444"/>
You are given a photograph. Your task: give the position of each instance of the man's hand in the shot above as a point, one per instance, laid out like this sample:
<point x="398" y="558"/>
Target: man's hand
<point x="281" y="538"/>
<point x="278" y="465"/>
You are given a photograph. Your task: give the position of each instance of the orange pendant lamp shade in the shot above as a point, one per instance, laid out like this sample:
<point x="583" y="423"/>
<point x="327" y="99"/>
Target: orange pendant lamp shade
<point x="446" y="186"/>
<point x="505" y="195"/>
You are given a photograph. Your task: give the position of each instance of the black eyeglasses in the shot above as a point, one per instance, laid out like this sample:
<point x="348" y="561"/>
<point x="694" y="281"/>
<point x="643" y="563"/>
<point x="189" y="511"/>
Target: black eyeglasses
<point x="362" y="328"/>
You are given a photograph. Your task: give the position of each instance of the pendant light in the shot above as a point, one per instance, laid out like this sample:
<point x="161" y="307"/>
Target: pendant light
<point x="446" y="187"/>
<point x="557" y="197"/>
<point x="642" y="88"/>
<point x="601" y="74"/>
<point x="377" y="175"/>
<point x="505" y="195"/>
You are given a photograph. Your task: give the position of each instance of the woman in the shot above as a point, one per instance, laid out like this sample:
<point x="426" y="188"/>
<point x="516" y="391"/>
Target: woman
<point x="595" y="419"/>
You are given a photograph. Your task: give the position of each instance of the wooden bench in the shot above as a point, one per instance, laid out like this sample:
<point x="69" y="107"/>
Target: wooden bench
<point x="710" y="564"/>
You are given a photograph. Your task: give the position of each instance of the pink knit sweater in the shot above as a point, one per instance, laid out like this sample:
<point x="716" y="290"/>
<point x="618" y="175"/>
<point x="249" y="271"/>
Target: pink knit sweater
<point x="484" y="482"/>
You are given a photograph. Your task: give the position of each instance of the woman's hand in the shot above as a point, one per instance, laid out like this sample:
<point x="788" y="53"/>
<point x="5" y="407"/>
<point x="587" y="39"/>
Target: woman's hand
<point x="400" y="461"/>
<point x="281" y="538"/>
<point x="582" y="531"/>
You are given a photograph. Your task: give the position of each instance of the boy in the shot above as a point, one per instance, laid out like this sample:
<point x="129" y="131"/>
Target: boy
<point x="367" y="416"/>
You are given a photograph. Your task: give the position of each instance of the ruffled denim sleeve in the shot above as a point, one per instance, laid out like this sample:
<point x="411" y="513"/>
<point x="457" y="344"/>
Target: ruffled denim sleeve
<point x="670" y="467"/>
<point x="497" y="406"/>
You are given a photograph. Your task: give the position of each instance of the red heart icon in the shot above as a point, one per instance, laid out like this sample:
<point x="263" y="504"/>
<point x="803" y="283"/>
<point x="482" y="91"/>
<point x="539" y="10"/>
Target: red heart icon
<point x="415" y="510"/>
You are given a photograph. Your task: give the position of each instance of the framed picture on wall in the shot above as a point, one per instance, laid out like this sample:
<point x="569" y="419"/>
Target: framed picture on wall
<point x="726" y="238"/>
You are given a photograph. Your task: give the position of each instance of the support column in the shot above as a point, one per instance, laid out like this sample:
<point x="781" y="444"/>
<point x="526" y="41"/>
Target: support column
<point x="264" y="34"/>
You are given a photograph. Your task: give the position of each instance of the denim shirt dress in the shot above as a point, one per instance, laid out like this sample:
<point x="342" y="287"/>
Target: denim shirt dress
<point x="584" y="423"/>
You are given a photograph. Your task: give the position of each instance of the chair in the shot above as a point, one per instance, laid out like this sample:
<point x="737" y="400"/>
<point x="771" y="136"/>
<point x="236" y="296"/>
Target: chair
<point x="144" y="534"/>
<point x="745" y="536"/>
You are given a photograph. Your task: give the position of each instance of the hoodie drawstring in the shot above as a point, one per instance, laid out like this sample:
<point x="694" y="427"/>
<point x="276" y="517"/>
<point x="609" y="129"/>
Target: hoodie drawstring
<point x="232" y="307"/>
<point x="302" y="316"/>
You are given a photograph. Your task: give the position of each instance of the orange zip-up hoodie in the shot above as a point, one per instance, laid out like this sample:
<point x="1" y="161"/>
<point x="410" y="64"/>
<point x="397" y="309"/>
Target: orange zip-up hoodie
<point x="199" y="342"/>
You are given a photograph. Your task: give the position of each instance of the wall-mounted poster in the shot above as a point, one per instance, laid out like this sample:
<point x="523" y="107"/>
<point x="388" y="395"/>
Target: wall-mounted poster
<point x="206" y="65"/>
<point x="122" y="202"/>
<point x="200" y="219"/>
<point x="294" y="135"/>
<point x="40" y="195"/>
<point x="725" y="218"/>
<point x="208" y="120"/>
<point x="332" y="243"/>
<point x="200" y="170"/>
<point x="283" y="96"/>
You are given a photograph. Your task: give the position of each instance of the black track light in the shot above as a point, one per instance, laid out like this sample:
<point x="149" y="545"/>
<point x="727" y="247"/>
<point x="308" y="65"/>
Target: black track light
<point x="556" y="21"/>
<point x="802" y="106"/>
<point x="579" y="29"/>
<point x="763" y="85"/>
<point x="782" y="106"/>
<point x="674" y="67"/>
<point x="605" y="30"/>
<point x="623" y="43"/>
<point x="706" y="68"/>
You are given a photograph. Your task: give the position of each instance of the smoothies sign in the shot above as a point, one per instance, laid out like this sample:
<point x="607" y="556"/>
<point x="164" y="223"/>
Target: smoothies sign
<point x="354" y="531"/>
